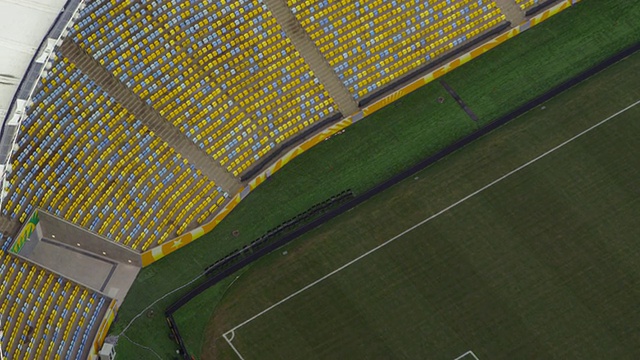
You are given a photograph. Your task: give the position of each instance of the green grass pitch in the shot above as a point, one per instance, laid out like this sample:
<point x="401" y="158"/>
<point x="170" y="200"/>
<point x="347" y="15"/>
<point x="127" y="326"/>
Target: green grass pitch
<point x="375" y="149"/>
<point x="522" y="245"/>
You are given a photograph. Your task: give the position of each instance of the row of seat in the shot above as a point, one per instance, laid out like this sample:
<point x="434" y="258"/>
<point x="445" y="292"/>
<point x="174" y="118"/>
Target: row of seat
<point x="85" y="158"/>
<point x="420" y="53"/>
<point x="43" y="315"/>
<point x="217" y="70"/>
<point x="371" y="43"/>
<point x="527" y="4"/>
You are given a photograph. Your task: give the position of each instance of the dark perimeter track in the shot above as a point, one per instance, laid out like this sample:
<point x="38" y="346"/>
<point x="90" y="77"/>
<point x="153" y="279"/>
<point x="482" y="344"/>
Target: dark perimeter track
<point x="389" y="183"/>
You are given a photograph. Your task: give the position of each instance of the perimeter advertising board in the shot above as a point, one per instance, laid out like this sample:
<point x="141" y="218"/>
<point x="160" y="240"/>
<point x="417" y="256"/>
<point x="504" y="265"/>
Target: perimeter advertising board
<point x="28" y="229"/>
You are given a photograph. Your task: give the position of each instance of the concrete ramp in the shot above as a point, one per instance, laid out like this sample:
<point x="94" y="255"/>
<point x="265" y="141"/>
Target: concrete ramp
<point x="77" y="254"/>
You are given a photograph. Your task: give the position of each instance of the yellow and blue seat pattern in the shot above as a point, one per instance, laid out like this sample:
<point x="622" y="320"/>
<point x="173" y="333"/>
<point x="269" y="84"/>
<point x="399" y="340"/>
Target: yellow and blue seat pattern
<point x="223" y="72"/>
<point x="526" y="4"/>
<point x="43" y="315"/>
<point x="371" y="43"/>
<point x="86" y="159"/>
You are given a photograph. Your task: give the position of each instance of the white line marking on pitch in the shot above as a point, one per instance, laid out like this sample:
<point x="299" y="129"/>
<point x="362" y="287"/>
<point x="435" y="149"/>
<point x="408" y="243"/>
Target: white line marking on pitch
<point x="465" y="354"/>
<point x="422" y="223"/>
<point x="228" y="339"/>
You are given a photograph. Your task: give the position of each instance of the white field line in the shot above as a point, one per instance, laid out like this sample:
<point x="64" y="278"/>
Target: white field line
<point x="465" y="355"/>
<point x="158" y="300"/>
<point x="228" y="339"/>
<point x="425" y="221"/>
<point x="143" y="347"/>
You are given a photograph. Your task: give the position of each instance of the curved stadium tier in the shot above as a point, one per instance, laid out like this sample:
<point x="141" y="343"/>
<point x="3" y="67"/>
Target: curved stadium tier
<point x="370" y="44"/>
<point x="148" y="116"/>
<point x="99" y="166"/>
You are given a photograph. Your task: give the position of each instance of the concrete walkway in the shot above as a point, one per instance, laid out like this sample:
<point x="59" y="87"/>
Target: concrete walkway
<point x="151" y="118"/>
<point x="308" y="50"/>
<point x="512" y="11"/>
<point x="9" y="226"/>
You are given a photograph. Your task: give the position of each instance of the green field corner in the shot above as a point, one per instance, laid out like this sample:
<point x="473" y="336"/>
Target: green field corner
<point x="521" y="245"/>
<point x="375" y="149"/>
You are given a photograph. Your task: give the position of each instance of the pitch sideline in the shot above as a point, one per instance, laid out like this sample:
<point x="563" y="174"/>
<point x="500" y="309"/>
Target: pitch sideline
<point x="231" y="332"/>
<point x="229" y="339"/>
<point x="470" y="352"/>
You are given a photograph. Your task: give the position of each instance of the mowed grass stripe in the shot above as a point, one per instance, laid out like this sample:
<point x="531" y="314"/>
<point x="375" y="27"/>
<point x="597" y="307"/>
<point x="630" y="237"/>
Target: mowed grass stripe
<point x="510" y="271"/>
<point x="457" y="203"/>
<point x="515" y="270"/>
<point x="389" y="141"/>
<point x="571" y="112"/>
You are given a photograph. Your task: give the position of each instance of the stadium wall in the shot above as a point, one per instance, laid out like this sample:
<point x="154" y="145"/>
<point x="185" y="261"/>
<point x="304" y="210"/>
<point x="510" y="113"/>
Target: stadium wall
<point x="27" y="230"/>
<point x="105" y="324"/>
<point x="152" y="255"/>
<point x="14" y="117"/>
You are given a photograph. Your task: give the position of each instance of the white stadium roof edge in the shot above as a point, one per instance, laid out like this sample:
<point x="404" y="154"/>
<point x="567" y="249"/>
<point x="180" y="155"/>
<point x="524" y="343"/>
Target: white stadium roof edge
<point x="29" y="29"/>
<point x="23" y="25"/>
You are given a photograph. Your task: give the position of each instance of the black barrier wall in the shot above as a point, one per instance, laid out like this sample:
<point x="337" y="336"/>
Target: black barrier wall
<point x="538" y="8"/>
<point x="355" y="201"/>
<point x="287" y="144"/>
<point x="430" y="66"/>
<point x="266" y="243"/>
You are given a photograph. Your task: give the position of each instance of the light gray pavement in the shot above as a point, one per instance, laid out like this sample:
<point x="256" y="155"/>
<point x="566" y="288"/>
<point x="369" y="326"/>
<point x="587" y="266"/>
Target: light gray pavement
<point x="512" y="11"/>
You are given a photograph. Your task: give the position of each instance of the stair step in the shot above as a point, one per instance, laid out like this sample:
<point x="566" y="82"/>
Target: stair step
<point x="316" y="61"/>
<point x="150" y="117"/>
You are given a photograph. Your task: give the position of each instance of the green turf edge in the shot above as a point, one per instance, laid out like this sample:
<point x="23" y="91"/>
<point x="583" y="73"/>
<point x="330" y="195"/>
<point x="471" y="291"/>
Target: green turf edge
<point x="325" y="249"/>
<point x="387" y="142"/>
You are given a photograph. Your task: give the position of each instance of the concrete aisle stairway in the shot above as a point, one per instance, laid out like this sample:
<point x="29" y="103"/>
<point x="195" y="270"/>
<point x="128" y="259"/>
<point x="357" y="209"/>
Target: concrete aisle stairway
<point x="9" y="226"/>
<point x="512" y="11"/>
<point x="151" y="118"/>
<point x="308" y="50"/>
